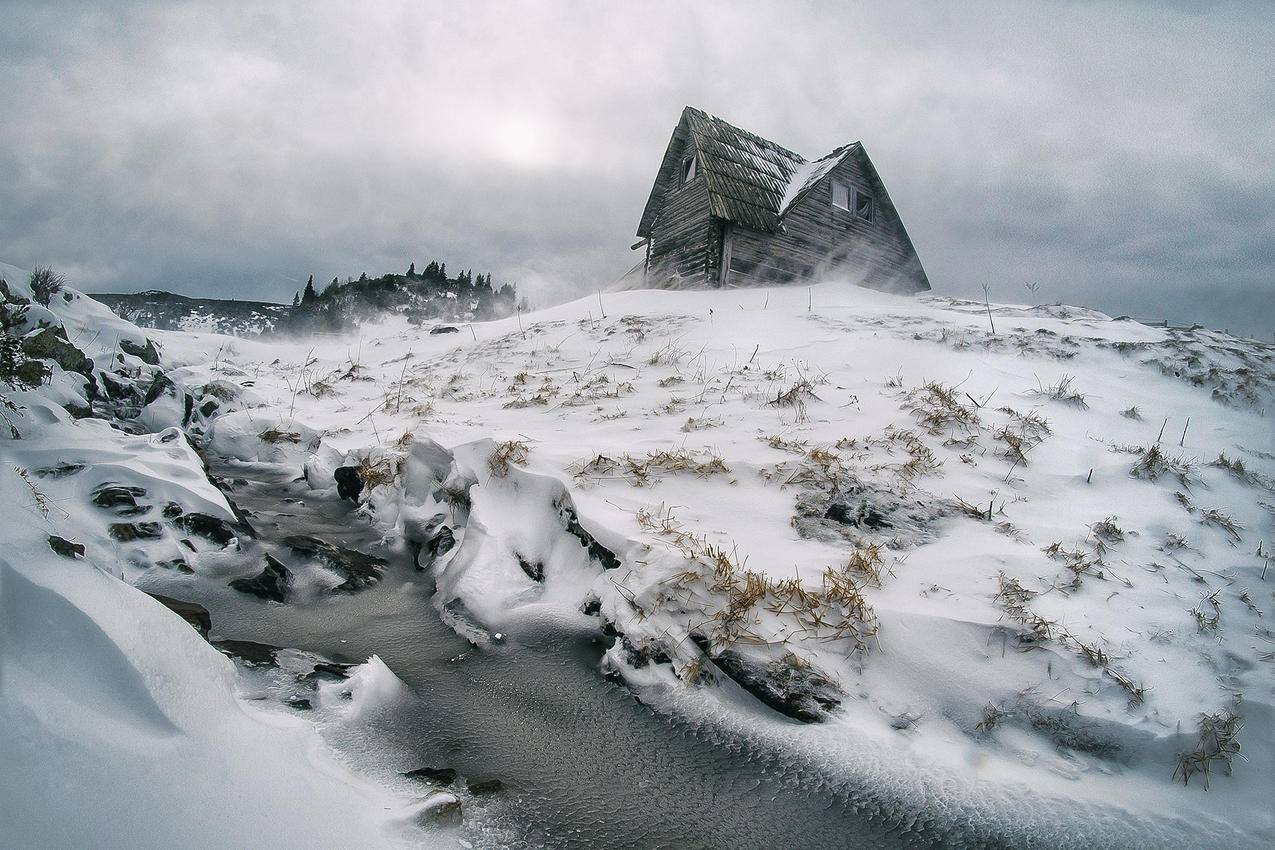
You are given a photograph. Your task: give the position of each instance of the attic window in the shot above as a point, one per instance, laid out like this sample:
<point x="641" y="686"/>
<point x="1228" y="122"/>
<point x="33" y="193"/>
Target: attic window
<point x="841" y="196"/>
<point x="853" y="200"/>
<point x="688" y="169"/>
<point x="863" y="206"/>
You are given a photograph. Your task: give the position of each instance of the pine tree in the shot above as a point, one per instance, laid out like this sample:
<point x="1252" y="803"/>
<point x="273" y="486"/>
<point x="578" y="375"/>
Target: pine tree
<point x="411" y="270"/>
<point x="308" y="297"/>
<point x="296" y="299"/>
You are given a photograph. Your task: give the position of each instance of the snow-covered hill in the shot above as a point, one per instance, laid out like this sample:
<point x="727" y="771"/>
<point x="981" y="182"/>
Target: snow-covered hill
<point x="1013" y="581"/>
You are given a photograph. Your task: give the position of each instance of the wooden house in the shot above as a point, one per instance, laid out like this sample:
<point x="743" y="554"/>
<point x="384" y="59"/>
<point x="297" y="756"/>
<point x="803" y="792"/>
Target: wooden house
<point x="729" y="208"/>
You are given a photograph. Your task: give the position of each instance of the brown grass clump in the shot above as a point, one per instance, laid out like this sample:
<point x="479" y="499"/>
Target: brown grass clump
<point x="1154" y="463"/>
<point x="1062" y="391"/>
<point x="643" y="470"/>
<point x="1218" y="519"/>
<point x="937" y="408"/>
<point x="1023" y="433"/>
<point x="278" y="435"/>
<point x="834" y="611"/>
<point x="375" y="473"/>
<point x="508" y="452"/>
<point x="1217" y="744"/>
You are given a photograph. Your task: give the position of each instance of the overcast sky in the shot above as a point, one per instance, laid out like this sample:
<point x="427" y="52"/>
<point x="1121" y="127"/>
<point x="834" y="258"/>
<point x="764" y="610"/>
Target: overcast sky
<point x="1118" y="154"/>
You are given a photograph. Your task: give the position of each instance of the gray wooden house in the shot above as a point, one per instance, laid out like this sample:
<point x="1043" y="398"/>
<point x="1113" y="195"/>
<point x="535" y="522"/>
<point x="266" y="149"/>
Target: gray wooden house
<point x="729" y="208"/>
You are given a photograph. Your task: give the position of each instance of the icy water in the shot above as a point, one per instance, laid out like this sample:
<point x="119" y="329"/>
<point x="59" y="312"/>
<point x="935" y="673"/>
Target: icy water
<point x="584" y="764"/>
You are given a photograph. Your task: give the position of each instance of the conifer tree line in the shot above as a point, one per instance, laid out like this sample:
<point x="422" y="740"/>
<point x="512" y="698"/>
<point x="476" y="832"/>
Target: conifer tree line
<point x="425" y="295"/>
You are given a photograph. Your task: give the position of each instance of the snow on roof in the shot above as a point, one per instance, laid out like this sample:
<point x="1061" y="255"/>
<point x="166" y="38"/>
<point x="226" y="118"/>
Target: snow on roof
<point x="808" y="174"/>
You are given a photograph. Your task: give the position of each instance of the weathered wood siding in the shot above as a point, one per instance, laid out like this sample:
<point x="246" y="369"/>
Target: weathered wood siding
<point x="684" y="235"/>
<point x="819" y="238"/>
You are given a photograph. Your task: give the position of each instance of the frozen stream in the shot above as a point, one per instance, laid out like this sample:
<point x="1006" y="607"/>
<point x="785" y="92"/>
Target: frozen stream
<point x="583" y="763"/>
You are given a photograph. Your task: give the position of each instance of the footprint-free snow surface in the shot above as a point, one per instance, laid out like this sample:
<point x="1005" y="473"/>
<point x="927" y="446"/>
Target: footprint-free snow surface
<point x="779" y="567"/>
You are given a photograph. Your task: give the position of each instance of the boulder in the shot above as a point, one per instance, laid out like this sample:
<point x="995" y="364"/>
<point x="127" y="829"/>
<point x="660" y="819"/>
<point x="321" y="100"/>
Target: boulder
<point x="211" y="528"/>
<point x="360" y="570"/>
<point x="146" y="353"/>
<point x="253" y="653"/>
<point x="120" y="499"/>
<point x="797" y="691"/>
<point x="65" y="547"/>
<point x="126" y="532"/>
<point x="271" y="583"/>
<point x="348" y="483"/>
<point x="192" y="612"/>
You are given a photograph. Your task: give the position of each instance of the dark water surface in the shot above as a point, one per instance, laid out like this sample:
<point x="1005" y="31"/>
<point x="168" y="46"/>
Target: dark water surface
<point x="584" y="764"/>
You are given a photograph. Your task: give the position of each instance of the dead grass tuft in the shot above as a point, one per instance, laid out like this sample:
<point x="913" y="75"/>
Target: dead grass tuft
<point x="278" y="435"/>
<point x="937" y="409"/>
<point x="1062" y="391"/>
<point x="507" y="453"/>
<point x="1154" y="463"/>
<point x="1217" y="744"/>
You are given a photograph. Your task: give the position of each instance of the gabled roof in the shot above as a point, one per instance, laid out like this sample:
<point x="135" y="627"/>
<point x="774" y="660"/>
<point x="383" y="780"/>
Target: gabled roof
<point x="747" y="175"/>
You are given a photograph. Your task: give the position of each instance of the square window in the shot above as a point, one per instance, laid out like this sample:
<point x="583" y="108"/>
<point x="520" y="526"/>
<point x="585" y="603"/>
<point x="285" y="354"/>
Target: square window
<point x="863" y="206"/>
<point x="841" y="196"/>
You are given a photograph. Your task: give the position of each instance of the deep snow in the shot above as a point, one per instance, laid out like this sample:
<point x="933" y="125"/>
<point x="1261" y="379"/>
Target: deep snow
<point x="641" y="464"/>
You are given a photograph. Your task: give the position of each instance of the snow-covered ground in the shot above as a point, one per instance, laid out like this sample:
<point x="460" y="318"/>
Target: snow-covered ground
<point x="1015" y="579"/>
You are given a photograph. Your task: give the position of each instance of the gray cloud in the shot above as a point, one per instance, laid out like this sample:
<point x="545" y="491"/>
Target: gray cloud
<point x="1117" y="154"/>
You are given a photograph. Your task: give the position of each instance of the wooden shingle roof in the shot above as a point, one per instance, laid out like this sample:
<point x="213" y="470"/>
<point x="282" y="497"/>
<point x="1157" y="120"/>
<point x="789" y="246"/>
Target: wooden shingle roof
<point x="747" y="175"/>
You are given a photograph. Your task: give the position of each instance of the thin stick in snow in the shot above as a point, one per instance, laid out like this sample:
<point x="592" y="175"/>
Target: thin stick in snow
<point x="1182" y="442"/>
<point x="1163" y="425"/>
<point x="988" y="305"/>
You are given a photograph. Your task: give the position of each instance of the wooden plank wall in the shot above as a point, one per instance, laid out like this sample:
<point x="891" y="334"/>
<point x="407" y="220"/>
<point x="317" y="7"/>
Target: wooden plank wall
<point x="822" y="238"/>
<point x="682" y="235"/>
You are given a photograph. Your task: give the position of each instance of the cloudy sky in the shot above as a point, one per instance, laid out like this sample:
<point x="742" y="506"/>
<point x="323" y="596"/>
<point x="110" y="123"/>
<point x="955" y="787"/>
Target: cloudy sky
<point x="1117" y="154"/>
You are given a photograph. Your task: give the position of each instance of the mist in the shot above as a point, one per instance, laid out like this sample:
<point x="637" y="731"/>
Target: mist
<point x="1114" y="155"/>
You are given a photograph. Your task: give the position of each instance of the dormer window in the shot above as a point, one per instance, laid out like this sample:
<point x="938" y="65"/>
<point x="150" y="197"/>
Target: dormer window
<point x="688" y="169"/>
<point x="853" y="200"/>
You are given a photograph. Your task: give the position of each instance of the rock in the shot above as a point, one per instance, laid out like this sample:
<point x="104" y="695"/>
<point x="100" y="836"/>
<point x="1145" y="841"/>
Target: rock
<point x="160" y="385"/>
<point x="484" y="786"/>
<point x="52" y="344"/>
<point x="535" y="572"/>
<point x="192" y="612"/>
<point x="441" y="808"/>
<point x="146" y="353"/>
<point x="348" y="483"/>
<point x="255" y="654"/>
<point x="331" y="670"/>
<point x="860" y="515"/>
<point x="598" y="552"/>
<point x="300" y="703"/>
<point x="436" y="775"/>
<point x="435" y="547"/>
<point x="180" y="564"/>
<point x="360" y="570"/>
<point x="120" y="499"/>
<point x="126" y="532"/>
<point x="61" y="470"/>
<point x="65" y="547"/>
<point x="172" y="510"/>
<point x="443" y="329"/>
<point x="271" y="583"/>
<point x="211" y="528"/>
<point x="799" y="692"/>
